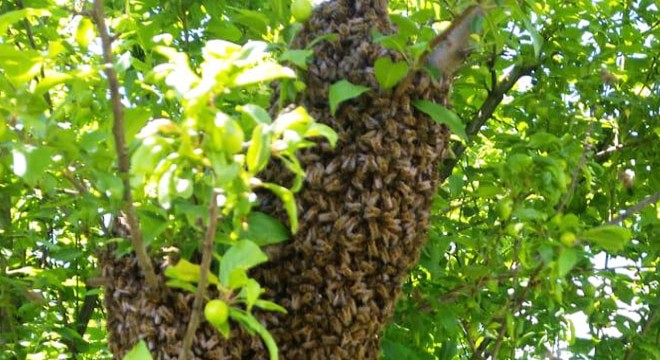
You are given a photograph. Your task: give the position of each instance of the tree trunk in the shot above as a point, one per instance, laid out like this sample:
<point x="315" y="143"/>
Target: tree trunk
<point x="364" y="210"/>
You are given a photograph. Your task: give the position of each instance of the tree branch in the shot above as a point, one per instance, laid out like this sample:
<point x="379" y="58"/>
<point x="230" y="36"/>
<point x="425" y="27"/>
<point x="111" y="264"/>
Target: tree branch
<point x="207" y="254"/>
<point x="636" y="208"/>
<point x="123" y="161"/>
<point x="82" y="320"/>
<point x="486" y="112"/>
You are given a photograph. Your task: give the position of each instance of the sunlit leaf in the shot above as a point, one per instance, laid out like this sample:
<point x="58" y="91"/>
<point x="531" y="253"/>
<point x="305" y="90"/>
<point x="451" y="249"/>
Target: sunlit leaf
<point x="139" y="352"/>
<point x="442" y="115"/>
<point x="389" y="73"/>
<point x="243" y="255"/>
<point x="612" y="238"/>
<point x="189" y="272"/>
<point x="289" y="202"/>
<point x="265" y="230"/>
<point x="342" y="91"/>
<point x="262" y="73"/>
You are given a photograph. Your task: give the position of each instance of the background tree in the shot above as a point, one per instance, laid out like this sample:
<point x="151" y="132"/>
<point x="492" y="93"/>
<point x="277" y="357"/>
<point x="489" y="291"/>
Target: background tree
<point x="559" y="105"/>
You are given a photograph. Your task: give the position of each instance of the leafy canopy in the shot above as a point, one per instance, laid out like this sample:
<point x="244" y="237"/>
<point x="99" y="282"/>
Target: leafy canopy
<point x="543" y="238"/>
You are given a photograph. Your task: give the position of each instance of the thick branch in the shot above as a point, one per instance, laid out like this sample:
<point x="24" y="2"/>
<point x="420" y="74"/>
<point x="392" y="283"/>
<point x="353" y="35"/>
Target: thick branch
<point x="120" y="146"/>
<point x="636" y="208"/>
<point x="486" y="112"/>
<point x="82" y="320"/>
<point x="207" y="253"/>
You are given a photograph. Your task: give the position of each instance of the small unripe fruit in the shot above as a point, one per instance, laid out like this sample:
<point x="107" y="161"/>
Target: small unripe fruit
<point x="216" y="312"/>
<point x="301" y="10"/>
<point x="504" y="208"/>
<point x="568" y="238"/>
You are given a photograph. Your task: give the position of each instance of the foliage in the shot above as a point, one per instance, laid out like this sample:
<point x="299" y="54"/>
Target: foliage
<point x="543" y="239"/>
<point x="525" y="257"/>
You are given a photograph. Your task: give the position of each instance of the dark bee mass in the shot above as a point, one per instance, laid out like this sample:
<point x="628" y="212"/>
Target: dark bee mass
<point x="364" y="211"/>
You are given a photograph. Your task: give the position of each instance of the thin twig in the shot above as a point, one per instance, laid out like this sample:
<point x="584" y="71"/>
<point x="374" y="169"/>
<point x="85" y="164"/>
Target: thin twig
<point x="636" y="208"/>
<point x="516" y="306"/>
<point x="207" y="253"/>
<point x="586" y="147"/>
<point x="123" y="161"/>
<point x="632" y="144"/>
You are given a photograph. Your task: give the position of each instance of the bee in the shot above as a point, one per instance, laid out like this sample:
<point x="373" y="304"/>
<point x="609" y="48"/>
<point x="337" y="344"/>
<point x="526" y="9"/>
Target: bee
<point x="350" y="226"/>
<point x="371" y="212"/>
<point x="345" y="316"/>
<point x="332" y="184"/>
<point x="335" y="325"/>
<point x="327" y="217"/>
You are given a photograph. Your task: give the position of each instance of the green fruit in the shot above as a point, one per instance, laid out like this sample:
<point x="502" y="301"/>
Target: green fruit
<point x="233" y="137"/>
<point x="504" y="208"/>
<point x="301" y="10"/>
<point x="85" y="99"/>
<point x="216" y="312"/>
<point x="568" y="238"/>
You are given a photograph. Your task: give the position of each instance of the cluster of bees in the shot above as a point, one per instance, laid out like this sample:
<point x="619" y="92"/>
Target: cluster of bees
<point x="364" y="211"/>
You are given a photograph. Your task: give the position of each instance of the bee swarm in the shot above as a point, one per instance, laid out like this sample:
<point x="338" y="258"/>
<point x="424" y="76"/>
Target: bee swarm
<point x="364" y="210"/>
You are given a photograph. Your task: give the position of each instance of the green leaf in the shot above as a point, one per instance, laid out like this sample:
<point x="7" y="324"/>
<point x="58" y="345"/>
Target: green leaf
<point x="224" y="329"/>
<point x="189" y="272"/>
<point x="51" y="79"/>
<point x="85" y="32"/>
<point x="537" y="39"/>
<point x="264" y="229"/>
<point x="396" y="42"/>
<point x="252" y="292"/>
<point x="318" y="129"/>
<point x="14" y="16"/>
<point x="288" y="201"/>
<point x="243" y="255"/>
<point x="259" y="151"/>
<point x="139" y="352"/>
<point x="405" y="25"/>
<point x="238" y="278"/>
<point x="19" y="65"/>
<point x="224" y="29"/>
<point x="566" y="261"/>
<point x="325" y="37"/>
<point x="342" y="91"/>
<point x="527" y="213"/>
<point x="442" y="115"/>
<point x="254" y="325"/>
<point x="270" y="306"/>
<point x="258" y="114"/>
<point x="612" y="238"/>
<point x="297" y="120"/>
<point x="180" y="284"/>
<point x="388" y="73"/>
<point x="262" y="73"/>
<point x="136" y="119"/>
<point x="31" y="163"/>
<point x="166" y="187"/>
<point x="297" y="57"/>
